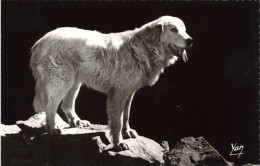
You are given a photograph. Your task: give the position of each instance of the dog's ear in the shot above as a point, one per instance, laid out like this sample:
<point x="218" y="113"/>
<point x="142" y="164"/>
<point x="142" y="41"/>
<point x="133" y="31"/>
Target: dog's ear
<point x="153" y="33"/>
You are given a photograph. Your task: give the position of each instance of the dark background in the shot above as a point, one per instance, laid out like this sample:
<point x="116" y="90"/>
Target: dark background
<point x="214" y="95"/>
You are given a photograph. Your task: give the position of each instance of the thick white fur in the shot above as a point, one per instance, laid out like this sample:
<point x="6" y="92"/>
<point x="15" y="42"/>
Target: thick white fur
<point x="117" y="64"/>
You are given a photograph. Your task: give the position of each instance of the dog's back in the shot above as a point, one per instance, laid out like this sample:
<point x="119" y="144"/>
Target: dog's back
<point x="62" y="41"/>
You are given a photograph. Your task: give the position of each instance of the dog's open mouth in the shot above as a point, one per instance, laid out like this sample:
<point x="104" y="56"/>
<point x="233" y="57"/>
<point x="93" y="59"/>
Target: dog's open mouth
<point x="180" y="52"/>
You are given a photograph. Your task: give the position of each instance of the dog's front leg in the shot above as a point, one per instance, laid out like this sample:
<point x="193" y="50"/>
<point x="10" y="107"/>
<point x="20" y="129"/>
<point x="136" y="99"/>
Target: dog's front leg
<point x="115" y="105"/>
<point x="127" y="132"/>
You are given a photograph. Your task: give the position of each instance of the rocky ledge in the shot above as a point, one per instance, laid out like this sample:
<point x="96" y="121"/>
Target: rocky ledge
<point x="26" y="143"/>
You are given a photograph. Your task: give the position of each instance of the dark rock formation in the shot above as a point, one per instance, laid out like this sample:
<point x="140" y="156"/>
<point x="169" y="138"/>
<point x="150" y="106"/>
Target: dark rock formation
<point x="194" y="151"/>
<point x="27" y="144"/>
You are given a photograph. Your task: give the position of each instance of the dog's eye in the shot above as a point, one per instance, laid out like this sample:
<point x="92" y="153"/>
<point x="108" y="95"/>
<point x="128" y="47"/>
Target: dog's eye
<point x="174" y="30"/>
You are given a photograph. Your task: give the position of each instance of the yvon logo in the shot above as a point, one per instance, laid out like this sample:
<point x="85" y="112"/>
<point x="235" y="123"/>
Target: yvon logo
<point x="236" y="150"/>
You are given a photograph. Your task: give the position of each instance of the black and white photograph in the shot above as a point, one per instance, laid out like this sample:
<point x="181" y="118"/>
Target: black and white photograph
<point x="130" y="83"/>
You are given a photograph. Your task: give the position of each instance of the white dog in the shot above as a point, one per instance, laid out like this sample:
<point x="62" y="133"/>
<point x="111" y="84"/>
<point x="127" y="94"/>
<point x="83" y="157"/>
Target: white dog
<point x="117" y="64"/>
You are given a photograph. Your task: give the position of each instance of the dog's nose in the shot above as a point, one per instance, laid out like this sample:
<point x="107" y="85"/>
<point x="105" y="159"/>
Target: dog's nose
<point x="189" y="42"/>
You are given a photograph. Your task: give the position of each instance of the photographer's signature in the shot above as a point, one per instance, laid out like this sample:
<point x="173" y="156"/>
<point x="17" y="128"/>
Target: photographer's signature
<point x="236" y="150"/>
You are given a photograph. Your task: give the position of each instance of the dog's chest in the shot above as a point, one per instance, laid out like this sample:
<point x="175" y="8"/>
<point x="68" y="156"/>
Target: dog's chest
<point x="152" y="77"/>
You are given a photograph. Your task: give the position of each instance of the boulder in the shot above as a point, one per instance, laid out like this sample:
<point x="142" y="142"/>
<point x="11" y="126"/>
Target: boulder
<point x="26" y="143"/>
<point x="194" y="151"/>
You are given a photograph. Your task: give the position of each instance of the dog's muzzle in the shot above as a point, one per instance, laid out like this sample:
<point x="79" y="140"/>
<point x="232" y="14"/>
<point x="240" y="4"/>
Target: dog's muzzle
<point x="178" y="51"/>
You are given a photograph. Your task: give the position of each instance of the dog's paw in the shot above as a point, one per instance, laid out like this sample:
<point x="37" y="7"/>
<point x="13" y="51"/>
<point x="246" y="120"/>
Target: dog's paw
<point x="53" y="132"/>
<point x="129" y="134"/>
<point x="116" y="148"/>
<point x="122" y="146"/>
<point x="80" y="123"/>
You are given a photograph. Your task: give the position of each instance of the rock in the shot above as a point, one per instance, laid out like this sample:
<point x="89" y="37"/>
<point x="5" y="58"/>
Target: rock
<point x="13" y="148"/>
<point x="194" y="151"/>
<point x="27" y="144"/>
<point x="249" y="164"/>
<point x="9" y="130"/>
<point x="38" y="121"/>
<point x="142" y="151"/>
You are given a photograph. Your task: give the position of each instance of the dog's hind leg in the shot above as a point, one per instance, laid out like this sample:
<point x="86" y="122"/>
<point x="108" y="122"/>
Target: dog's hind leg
<point x="38" y="101"/>
<point x="54" y="93"/>
<point x="68" y="107"/>
<point x="51" y="109"/>
<point x="127" y="132"/>
<point x="115" y="105"/>
<point x="49" y="92"/>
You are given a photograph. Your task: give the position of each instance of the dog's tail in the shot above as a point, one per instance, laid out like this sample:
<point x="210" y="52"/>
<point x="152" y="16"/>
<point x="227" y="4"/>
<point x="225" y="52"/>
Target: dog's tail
<point x="37" y="55"/>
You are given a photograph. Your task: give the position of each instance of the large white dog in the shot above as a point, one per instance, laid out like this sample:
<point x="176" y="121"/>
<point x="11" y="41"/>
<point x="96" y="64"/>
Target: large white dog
<point x="117" y="64"/>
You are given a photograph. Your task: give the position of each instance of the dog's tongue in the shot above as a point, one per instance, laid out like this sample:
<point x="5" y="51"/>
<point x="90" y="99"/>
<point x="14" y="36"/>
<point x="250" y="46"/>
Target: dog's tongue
<point x="184" y="56"/>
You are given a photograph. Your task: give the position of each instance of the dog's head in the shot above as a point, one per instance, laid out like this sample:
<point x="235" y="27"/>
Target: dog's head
<point x="170" y="33"/>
